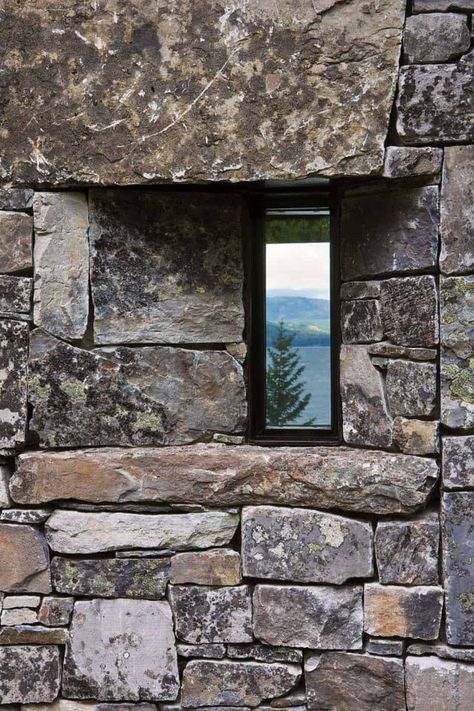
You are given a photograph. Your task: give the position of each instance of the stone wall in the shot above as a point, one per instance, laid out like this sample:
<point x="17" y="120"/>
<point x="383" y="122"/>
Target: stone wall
<point x="209" y="573"/>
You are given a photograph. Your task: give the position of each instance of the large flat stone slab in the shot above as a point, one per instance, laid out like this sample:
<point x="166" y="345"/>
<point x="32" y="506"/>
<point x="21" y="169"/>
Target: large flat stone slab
<point x="24" y="559"/>
<point x="456" y="218"/>
<point x="131" y="397"/>
<point x="198" y="92"/>
<point x="354" y="682"/>
<point x="226" y="475"/>
<point x="61" y="263"/>
<point x="29" y="674"/>
<point x="84" y="532"/>
<point x="13" y="383"/>
<point x="166" y="267"/>
<point x="121" y="649"/>
<point x="434" y="684"/>
<point x="229" y="683"/>
<point x="458" y="557"/>
<point x="314" y="617"/>
<point x="304" y="546"/>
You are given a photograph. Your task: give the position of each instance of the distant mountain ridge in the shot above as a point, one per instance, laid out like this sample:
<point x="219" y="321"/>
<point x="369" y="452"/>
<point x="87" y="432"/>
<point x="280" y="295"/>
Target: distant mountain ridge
<point x="307" y="319"/>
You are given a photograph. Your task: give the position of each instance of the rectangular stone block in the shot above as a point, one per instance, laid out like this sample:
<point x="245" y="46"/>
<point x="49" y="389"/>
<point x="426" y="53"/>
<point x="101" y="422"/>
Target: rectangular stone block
<point x="314" y="617"/>
<point x="16" y="237"/>
<point x="458" y="559"/>
<point x="392" y="611"/>
<point x="304" y="546"/>
<point x="458" y="462"/>
<point x="13" y="383"/>
<point x="456" y="218"/>
<point x="442" y="5"/>
<point x="121" y="649"/>
<point x="16" y="198"/>
<point x="15" y="294"/>
<point x="435" y="38"/>
<point x="409" y="309"/>
<point x="212" y="567"/>
<point x="24" y="560"/>
<point x="33" y="634"/>
<point x="437" y="685"/>
<point x="361" y="321"/>
<point x="407" y="551"/>
<point x="61" y="260"/>
<point x="416" y="436"/>
<point x="29" y="674"/>
<point x="411" y="388"/>
<point x="407" y="162"/>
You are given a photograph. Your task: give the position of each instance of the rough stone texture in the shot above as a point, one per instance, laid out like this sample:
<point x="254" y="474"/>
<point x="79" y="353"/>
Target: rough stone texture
<point x="110" y="577"/>
<point x="360" y="321"/>
<point x="407" y="551"/>
<point x="405" y="162"/>
<point x="16" y="234"/>
<point x="205" y="615"/>
<point x="386" y="647"/>
<point x="32" y="634"/>
<point x="443" y="651"/>
<point x="55" y="611"/>
<point x="264" y="653"/>
<point x="5" y="499"/>
<point x="212" y="567"/>
<point x="223" y="475"/>
<point x="206" y="651"/>
<point x="61" y="260"/>
<point x="121" y="649"/>
<point x="21" y="616"/>
<point x="304" y="546"/>
<point x="234" y="96"/>
<point x="434" y="103"/>
<point x="411" y="388"/>
<point x="83" y="532"/>
<point x="434" y="684"/>
<point x="389" y="231"/>
<point x="33" y="516"/>
<point x="435" y="38"/>
<point x="355" y="682"/>
<point x="410" y="311"/>
<point x="13" y="389"/>
<point x="221" y="683"/>
<point x="441" y="5"/>
<point x="166" y="267"/>
<point x="458" y="558"/>
<point x="13" y="601"/>
<point x="360" y="290"/>
<point x="393" y="611"/>
<point x="416" y="436"/>
<point x="15" y="198"/>
<point x="366" y="420"/>
<point x="15" y="294"/>
<point x="319" y="617"/>
<point x="83" y="398"/>
<point x="29" y="675"/>
<point x="24" y="560"/>
<point x="456" y="218"/>
<point x="458" y="462"/>
<point x="389" y="350"/>
<point x="457" y="351"/>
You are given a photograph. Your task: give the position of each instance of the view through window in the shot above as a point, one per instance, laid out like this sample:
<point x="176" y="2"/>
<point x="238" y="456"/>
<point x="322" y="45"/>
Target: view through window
<point x="297" y="318"/>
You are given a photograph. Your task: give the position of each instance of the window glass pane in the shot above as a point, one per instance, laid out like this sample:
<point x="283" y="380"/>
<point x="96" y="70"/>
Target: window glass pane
<point x="298" y="337"/>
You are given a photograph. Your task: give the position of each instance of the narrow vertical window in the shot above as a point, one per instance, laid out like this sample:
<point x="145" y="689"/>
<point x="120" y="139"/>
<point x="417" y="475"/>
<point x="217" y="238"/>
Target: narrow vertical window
<point x="293" y="348"/>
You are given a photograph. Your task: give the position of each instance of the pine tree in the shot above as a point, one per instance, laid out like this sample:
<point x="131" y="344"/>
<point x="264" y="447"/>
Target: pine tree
<point x="285" y="399"/>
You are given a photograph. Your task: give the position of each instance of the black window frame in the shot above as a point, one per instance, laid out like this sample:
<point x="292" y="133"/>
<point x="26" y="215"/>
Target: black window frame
<point x="258" y="432"/>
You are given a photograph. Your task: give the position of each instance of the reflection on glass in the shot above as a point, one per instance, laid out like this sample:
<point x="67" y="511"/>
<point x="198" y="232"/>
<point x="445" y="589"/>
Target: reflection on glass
<point x="298" y="338"/>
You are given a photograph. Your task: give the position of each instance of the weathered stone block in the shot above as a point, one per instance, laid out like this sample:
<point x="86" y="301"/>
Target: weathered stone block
<point x="315" y="617"/>
<point x="223" y="475"/>
<point x="134" y="578"/>
<point x="386" y="647"/>
<point x="219" y="683"/>
<point x="13" y="601"/>
<point x="13" y="383"/>
<point x="205" y="651"/>
<point x="20" y="616"/>
<point x="458" y="462"/>
<point x="389" y="231"/>
<point x="434" y="684"/>
<point x="416" y="436"/>
<point x="411" y="388"/>
<point x="456" y="218"/>
<point x="458" y="557"/>
<point x="304" y="546"/>
<point x="434" y="103"/>
<point x="16" y="236"/>
<point x="32" y="516"/>
<point x="24" y="560"/>
<point x="29" y="675"/>
<point x="212" y="567"/>
<point x="218" y="79"/>
<point x="360" y="321"/>
<point x="84" y="532"/>
<point x="435" y="38"/>
<point x="127" y="397"/>
<point x="15" y="198"/>
<point x="121" y="649"/>
<point x="15" y="294"/>
<point x="354" y="682"/>
<point x="205" y="615"/>
<point x="410" y="311"/>
<point x="32" y="634"/>
<point x="5" y="500"/>
<point x="389" y="350"/>
<point x="360" y="290"/>
<point x="443" y="651"/>
<point x="405" y="162"/>
<point x="457" y="351"/>
<point x="441" y="5"/>
<point x="55" y="611"/>
<point x="264" y="653"/>
<point x="166" y="267"/>
<point x="366" y="420"/>
<point x="407" y="551"/>
<point x="61" y="260"/>
<point x="392" y="611"/>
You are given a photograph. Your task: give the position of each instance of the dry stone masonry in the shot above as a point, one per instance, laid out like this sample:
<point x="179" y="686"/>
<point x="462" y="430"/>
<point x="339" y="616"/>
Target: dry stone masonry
<point x="151" y="557"/>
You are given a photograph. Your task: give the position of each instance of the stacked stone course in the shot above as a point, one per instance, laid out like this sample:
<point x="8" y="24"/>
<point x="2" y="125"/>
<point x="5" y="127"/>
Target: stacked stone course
<point x="150" y="558"/>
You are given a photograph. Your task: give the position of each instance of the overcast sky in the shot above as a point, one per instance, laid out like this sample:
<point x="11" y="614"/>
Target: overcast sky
<point x="299" y="267"/>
